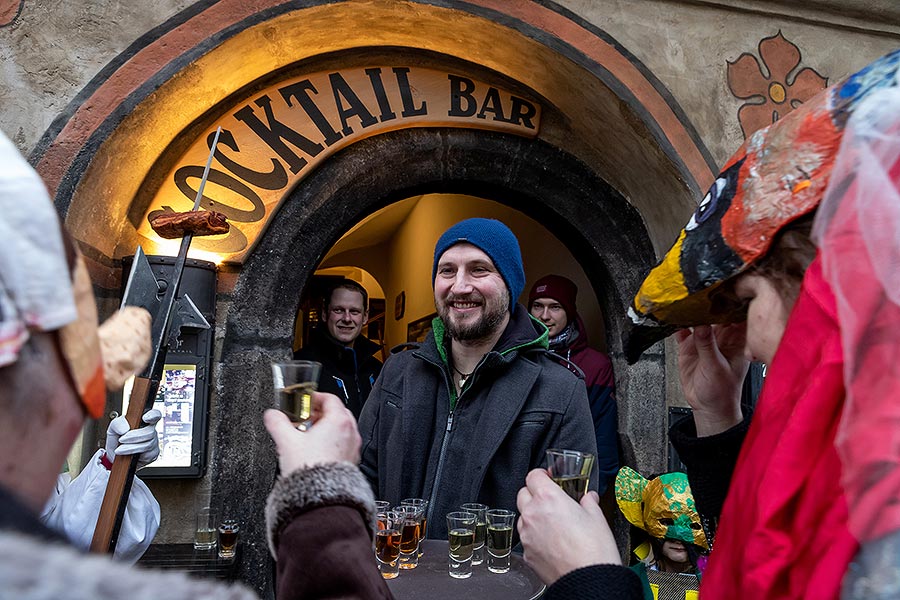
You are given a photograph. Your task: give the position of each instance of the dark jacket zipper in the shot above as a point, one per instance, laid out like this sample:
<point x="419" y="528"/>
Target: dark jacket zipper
<point x="447" y="431"/>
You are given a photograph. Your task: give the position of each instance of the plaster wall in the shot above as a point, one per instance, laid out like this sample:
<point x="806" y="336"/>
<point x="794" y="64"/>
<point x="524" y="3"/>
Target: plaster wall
<point x="686" y="45"/>
<point x="54" y="48"/>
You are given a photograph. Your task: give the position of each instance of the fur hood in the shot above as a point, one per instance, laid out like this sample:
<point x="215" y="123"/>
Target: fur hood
<point x="331" y="484"/>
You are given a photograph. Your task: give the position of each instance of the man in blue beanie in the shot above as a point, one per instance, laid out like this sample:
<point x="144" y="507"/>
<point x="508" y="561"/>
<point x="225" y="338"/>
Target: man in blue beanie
<point x="465" y="415"/>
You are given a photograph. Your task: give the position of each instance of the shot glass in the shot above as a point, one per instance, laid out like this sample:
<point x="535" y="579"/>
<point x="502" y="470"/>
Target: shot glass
<point x="571" y="470"/>
<point x="381" y="506"/>
<point x="228" y="537"/>
<point x="205" y="532"/>
<point x="499" y="538"/>
<point x="387" y="544"/>
<point x="461" y="535"/>
<point x="409" y="536"/>
<point x="422" y="505"/>
<point x="480" y="529"/>
<point x="295" y="381"/>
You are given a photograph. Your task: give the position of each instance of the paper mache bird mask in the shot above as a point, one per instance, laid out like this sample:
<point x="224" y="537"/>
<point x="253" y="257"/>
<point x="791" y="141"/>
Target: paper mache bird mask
<point x="662" y="506"/>
<point x="778" y="175"/>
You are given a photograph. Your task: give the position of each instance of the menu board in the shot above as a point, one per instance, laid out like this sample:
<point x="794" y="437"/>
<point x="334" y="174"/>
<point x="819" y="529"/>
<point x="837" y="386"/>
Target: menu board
<point x="175" y="399"/>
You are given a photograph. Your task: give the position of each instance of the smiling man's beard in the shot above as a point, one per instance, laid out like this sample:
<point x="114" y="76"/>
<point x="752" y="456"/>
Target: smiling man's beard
<point x="484" y="327"/>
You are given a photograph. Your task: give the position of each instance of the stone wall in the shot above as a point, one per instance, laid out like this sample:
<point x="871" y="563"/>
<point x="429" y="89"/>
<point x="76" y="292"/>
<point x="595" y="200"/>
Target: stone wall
<point x="51" y="50"/>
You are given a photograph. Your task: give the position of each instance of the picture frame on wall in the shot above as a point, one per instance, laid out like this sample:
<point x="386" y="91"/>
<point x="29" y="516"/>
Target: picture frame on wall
<point x="417" y="330"/>
<point x="399" y="306"/>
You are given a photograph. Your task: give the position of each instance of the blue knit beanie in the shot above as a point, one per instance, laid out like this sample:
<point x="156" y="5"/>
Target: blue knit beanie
<point x="494" y="239"/>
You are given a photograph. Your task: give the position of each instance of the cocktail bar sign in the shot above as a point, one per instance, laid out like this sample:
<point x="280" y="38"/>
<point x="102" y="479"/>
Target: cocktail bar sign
<point x="273" y="139"/>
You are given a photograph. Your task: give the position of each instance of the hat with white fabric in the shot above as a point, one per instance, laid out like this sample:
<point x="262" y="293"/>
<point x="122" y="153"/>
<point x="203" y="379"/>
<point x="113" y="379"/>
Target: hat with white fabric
<point x="44" y="285"/>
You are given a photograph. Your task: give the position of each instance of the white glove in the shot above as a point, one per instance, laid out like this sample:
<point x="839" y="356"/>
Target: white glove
<point x="143" y="441"/>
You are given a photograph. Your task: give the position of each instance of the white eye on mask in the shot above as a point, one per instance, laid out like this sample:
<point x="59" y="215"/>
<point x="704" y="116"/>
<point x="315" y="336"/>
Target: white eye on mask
<point x="707" y="205"/>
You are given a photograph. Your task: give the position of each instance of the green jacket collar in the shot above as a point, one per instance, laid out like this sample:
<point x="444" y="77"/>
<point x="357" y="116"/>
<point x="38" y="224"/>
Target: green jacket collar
<point x="523" y="333"/>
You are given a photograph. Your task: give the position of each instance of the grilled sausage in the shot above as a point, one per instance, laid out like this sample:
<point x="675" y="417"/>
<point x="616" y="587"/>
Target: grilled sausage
<point x="172" y="225"/>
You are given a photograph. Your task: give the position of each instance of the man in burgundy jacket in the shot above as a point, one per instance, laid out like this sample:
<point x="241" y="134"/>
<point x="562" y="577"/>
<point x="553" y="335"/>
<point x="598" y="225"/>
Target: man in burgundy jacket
<point x="552" y="301"/>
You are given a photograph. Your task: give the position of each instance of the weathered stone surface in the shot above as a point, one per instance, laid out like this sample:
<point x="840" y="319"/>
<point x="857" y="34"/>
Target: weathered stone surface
<point x="53" y="49"/>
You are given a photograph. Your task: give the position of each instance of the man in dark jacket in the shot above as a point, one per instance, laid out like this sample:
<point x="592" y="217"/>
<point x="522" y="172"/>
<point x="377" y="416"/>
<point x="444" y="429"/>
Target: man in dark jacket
<point x="465" y="415"/>
<point x="349" y="369"/>
<point x="552" y="300"/>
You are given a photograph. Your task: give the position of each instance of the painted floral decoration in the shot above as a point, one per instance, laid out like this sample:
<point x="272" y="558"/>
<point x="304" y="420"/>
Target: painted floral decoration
<point x="771" y="89"/>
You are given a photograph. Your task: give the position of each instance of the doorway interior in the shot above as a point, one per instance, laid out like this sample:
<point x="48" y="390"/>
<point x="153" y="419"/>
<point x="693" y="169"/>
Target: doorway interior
<point x="389" y="253"/>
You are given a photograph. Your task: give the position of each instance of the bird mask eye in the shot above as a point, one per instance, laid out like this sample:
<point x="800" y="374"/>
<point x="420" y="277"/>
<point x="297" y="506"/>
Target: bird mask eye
<point x="707" y="205"/>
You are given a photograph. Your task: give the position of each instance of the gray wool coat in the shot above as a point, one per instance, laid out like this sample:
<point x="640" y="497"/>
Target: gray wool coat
<point x="518" y="402"/>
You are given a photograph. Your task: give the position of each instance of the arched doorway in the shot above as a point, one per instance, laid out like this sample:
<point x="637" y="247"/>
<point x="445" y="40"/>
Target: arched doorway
<point x="600" y="227"/>
<point x="388" y="254"/>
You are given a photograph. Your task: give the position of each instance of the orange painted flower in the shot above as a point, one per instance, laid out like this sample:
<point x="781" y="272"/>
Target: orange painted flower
<point x="771" y="90"/>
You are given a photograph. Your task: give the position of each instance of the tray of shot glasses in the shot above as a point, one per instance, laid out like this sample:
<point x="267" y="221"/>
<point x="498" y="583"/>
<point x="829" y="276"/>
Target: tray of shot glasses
<point x="430" y="579"/>
<point x="474" y="562"/>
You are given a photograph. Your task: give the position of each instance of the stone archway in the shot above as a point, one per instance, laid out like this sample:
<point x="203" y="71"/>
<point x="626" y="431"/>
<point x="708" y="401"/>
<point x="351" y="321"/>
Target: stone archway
<point x="603" y="230"/>
<point x="102" y="158"/>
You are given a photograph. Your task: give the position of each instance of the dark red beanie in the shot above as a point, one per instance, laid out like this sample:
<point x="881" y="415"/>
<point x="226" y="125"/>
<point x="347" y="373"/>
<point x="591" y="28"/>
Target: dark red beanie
<point x="560" y="289"/>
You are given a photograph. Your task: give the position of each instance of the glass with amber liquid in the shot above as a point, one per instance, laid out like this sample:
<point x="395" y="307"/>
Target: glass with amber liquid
<point x="228" y="537"/>
<point x="295" y="381"/>
<point x="387" y="544"/>
<point x="422" y="505"/>
<point x="381" y="507"/>
<point x="409" y="536"/>
<point x="571" y="470"/>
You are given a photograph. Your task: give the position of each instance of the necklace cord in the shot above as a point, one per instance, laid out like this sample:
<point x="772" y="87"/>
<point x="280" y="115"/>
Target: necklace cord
<point x="461" y="374"/>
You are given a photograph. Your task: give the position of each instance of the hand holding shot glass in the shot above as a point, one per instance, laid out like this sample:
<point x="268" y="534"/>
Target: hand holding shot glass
<point x="295" y="381"/>
<point x="570" y="470"/>
<point x="334" y="438"/>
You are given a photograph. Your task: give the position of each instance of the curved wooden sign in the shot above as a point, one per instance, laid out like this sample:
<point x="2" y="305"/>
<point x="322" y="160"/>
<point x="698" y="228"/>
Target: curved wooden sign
<point x="273" y="139"/>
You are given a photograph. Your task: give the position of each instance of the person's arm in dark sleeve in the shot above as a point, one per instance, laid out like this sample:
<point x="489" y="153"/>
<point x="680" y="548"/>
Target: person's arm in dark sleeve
<point x="319" y="522"/>
<point x="597" y="582"/>
<point x="709" y="461"/>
